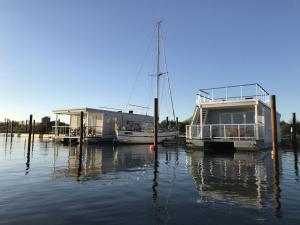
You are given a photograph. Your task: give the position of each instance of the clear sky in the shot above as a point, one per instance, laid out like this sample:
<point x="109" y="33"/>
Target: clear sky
<point x="70" y="53"/>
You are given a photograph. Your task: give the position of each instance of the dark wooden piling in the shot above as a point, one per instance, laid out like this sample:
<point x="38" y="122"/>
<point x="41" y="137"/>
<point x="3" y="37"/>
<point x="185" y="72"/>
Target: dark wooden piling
<point x="29" y="132"/>
<point x="294" y="132"/>
<point x="274" y="123"/>
<point x="155" y="125"/>
<point x="6" y="129"/>
<point x="177" y="122"/>
<point x="276" y="178"/>
<point x="11" y="129"/>
<point x="81" y="129"/>
<point x="167" y="122"/>
<point x="80" y="147"/>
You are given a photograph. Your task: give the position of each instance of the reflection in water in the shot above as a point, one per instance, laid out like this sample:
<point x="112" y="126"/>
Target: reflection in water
<point x="276" y="188"/>
<point x="296" y="163"/>
<point x="27" y="162"/>
<point x="95" y="160"/>
<point x="155" y="184"/>
<point x="79" y="163"/>
<point x="243" y="179"/>
<point x="126" y="184"/>
<point x="5" y="147"/>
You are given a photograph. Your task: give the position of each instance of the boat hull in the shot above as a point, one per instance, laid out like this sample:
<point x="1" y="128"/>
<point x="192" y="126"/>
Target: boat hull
<point x="138" y="137"/>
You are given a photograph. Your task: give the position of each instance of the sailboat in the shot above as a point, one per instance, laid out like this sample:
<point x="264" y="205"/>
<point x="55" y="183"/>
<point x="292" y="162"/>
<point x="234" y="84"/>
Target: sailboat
<point x="145" y="134"/>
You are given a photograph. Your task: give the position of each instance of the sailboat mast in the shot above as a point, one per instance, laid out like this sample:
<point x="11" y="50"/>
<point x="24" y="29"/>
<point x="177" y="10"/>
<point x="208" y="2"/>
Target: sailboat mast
<point x="158" y="60"/>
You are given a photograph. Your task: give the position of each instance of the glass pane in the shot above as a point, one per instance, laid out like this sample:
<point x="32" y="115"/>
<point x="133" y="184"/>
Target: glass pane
<point x="238" y="118"/>
<point x="225" y="118"/>
<point x="250" y="117"/>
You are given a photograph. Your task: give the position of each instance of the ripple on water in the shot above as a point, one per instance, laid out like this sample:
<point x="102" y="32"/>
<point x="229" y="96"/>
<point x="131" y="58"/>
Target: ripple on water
<point x="113" y="185"/>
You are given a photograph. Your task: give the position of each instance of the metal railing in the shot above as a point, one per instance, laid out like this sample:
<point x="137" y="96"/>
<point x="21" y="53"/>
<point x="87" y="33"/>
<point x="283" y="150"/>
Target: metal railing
<point x="233" y="93"/>
<point x="225" y="131"/>
<point x="74" y="131"/>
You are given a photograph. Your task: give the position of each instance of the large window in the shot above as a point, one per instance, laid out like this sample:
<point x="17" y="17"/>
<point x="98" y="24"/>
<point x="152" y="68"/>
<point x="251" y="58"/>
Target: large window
<point x="237" y="118"/>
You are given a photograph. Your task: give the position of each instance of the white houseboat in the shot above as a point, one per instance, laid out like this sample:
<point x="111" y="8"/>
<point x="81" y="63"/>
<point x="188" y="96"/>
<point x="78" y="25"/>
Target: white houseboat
<point x="99" y="125"/>
<point x="234" y="116"/>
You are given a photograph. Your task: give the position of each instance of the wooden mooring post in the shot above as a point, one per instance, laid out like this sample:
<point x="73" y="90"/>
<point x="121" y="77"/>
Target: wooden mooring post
<point x="11" y="129"/>
<point x="177" y="122"/>
<point x="29" y="132"/>
<point x="155" y="125"/>
<point x="6" y="123"/>
<point x="81" y="130"/>
<point x="294" y="131"/>
<point x="80" y="147"/>
<point x="167" y="122"/>
<point x="276" y="178"/>
<point x="274" y="124"/>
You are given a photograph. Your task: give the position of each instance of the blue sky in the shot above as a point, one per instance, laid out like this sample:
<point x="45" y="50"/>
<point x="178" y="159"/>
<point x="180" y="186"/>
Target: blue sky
<point x="64" y="54"/>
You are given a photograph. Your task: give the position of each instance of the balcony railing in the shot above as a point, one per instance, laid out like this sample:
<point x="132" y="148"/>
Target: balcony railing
<point x="74" y="131"/>
<point x="225" y="131"/>
<point x="233" y="93"/>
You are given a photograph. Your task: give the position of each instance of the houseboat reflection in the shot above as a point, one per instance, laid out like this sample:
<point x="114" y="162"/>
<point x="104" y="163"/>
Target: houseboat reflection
<point x="244" y="179"/>
<point x="96" y="160"/>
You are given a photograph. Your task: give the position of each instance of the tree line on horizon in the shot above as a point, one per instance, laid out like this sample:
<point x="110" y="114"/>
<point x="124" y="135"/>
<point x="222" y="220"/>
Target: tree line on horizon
<point x="46" y="127"/>
<point x="20" y="127"/>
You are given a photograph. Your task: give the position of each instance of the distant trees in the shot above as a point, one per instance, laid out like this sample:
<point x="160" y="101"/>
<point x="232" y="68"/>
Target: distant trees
<point x="172" y="123"/>
<point x="20" y="127"/>
<point x="286" y="128"/>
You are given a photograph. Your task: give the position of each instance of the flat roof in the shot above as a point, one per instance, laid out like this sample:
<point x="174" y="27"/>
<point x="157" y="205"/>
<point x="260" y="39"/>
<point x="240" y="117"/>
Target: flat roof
<point x="75" y="111"/>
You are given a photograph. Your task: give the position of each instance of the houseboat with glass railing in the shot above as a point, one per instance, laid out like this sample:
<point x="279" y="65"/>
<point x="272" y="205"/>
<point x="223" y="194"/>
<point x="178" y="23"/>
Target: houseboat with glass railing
<point x="98" y="124"/>
<point x="236" y="116"/>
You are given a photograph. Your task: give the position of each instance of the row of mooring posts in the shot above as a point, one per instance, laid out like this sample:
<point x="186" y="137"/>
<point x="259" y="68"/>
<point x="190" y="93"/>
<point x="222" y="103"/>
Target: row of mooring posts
<point x="7" y="128"/>
<point x="10" y="125"/>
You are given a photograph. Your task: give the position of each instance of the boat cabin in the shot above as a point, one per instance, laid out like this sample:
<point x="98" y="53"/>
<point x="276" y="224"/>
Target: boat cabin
<point x="237" y="116"/>
<point x="99" y="125"/>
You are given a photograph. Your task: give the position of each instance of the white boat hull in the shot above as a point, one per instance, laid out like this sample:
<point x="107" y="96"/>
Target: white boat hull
<point x="140" y="137"/>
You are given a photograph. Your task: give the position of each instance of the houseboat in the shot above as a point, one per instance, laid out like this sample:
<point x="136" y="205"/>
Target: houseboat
<point x="237" y="117"/>
<point x="99" y="124"/>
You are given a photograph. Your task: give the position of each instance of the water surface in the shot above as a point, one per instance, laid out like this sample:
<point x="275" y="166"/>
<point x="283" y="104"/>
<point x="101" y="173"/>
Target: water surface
<point x="56" y="184"/>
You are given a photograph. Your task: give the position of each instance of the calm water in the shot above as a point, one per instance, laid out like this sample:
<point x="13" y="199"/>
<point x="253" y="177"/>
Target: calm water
<point x="56" y="184"/>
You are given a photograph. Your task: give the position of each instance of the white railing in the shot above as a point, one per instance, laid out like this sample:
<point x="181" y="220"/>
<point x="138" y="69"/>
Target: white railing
<point x="233" y="93"/>
<point x="74" y="131"/>
<point x="225" y="131"/>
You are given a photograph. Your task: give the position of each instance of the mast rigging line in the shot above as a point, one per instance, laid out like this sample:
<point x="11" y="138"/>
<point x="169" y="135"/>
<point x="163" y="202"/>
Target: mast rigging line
<point x="168" y="78"/>
<point x="143" y="107"/>
<point x="140" y="70"/>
